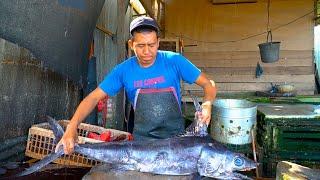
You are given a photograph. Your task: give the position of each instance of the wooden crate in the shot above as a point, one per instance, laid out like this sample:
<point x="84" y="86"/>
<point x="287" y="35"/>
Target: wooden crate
<point x="41" y="142"/>
<point x="170" y="45"/>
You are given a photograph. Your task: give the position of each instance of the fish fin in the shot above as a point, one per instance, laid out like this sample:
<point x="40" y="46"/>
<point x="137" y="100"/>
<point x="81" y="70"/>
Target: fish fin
<point x="122" y="167"/>
<point x="56" y="128"/>
<point x="196" y="128"/>
<point x="233" y="176"/>
<point x="241" y="176"/>
<point x="58" y="133"/>
<point x="40" y="164"/>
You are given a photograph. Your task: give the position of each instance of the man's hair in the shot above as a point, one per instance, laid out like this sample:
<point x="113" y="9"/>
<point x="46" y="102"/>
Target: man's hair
<point x="142" y="29"/>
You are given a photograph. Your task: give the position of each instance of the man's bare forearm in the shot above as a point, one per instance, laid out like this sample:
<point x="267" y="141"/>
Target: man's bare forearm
<point x="210" y="92"/>
<point x="85" y="107"/>
<point x="83" y="110"/>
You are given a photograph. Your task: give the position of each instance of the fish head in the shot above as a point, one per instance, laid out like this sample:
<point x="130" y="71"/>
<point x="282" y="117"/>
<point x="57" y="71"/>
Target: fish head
<point x="211" y="162"/>
<point x="239" y="162"/>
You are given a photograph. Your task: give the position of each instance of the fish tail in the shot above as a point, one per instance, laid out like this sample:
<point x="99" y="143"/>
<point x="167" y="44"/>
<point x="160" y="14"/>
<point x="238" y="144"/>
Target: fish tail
<point x="40" y="164"/>
<point x="58" y="133"/>
<point x="56" y="128"/>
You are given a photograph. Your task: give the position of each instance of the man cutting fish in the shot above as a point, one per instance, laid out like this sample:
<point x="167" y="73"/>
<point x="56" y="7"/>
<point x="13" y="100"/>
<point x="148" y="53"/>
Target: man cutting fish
<point x="151" y="80"/>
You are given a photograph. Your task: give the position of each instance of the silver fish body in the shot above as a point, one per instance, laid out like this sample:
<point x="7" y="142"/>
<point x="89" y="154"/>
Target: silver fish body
<point x="173" y="156"/>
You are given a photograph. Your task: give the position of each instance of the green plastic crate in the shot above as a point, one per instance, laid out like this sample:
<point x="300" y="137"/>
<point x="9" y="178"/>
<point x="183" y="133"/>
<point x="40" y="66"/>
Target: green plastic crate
<point x="296" y="138"/>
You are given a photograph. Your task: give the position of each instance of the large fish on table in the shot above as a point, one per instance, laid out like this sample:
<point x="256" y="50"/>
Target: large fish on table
<point x="182" y="155"/>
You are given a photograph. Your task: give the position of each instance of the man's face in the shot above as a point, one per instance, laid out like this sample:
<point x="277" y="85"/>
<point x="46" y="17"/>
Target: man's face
<point x="145" y="45"/>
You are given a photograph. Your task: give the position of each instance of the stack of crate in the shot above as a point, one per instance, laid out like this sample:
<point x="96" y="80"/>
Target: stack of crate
<point x="288" y="132"/>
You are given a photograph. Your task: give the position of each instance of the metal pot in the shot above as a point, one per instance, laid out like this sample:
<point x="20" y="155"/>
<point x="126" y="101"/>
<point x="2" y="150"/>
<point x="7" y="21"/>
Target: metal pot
<point x="233" y="120"/>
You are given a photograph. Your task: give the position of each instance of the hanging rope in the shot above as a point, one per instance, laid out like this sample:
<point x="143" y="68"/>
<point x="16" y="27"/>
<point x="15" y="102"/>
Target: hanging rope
<point x="268" y="9"/>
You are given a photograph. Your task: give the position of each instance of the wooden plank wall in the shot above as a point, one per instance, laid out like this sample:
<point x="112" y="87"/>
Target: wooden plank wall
<point x="235" y="71"/>
<point x="232" y="64"/>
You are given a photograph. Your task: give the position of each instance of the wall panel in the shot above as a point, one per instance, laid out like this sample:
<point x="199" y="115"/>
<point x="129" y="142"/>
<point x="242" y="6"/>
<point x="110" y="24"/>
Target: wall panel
<point x="212" y="37"/>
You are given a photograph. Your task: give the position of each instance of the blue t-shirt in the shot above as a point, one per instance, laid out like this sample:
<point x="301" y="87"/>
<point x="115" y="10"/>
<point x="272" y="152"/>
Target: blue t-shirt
<point x="167" y="71"/>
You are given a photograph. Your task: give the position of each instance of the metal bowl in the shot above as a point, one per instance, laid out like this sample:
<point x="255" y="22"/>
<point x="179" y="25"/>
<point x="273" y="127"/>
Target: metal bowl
<point x="285" y="88"/>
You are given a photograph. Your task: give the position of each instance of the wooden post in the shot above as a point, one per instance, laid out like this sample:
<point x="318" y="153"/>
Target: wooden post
<point x="254" y="151"/>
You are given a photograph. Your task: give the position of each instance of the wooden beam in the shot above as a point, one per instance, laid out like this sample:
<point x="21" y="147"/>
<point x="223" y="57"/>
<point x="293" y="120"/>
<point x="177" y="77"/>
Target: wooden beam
<point x="105" y="31"/>
<point x="278" y="70"/>
<point x="138" y="7"/>
<point x="242" y="55"/>
<point x="187" y="98"/>
<point x="264" y="78"/>
<point x="253" y="63"/>
<point x="147" y="4"/>
<point x="248" y="86"/>
<point x="220" y="2"/>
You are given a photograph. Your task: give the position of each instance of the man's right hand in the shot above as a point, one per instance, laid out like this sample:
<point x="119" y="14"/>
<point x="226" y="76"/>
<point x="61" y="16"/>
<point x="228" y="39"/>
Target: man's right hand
<point x="68" y="140"/>
<point x="70" y="137"/>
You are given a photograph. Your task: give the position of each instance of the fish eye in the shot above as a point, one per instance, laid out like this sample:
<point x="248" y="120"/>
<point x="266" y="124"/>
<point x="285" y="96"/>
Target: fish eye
<point x="238" y="161"/>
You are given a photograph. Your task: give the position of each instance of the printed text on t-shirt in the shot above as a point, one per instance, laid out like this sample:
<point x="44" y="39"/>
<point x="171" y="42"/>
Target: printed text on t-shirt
<point x="149" y="82"/>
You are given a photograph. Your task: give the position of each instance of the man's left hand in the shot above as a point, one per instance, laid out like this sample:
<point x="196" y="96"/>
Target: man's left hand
<point x="205" y="115"/>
